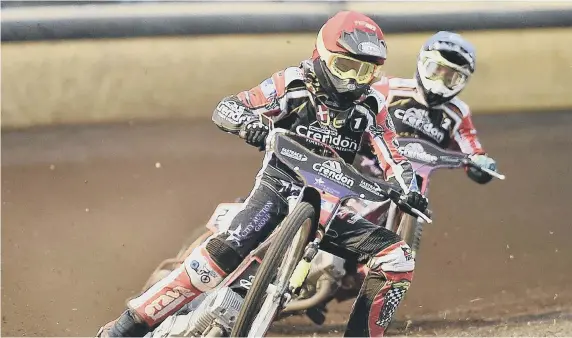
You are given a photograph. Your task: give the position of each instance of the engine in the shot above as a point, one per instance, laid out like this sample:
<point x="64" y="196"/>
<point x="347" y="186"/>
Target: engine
<point x="218" y="311"/>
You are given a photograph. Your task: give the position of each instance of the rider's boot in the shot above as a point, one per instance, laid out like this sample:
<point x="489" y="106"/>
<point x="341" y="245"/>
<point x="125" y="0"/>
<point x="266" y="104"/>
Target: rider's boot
<point x="200" y="272"/>
<point x="390" y="274"/>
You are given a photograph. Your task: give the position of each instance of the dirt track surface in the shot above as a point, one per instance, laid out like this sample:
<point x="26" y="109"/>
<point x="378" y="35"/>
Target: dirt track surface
<point x="87" y="215"/>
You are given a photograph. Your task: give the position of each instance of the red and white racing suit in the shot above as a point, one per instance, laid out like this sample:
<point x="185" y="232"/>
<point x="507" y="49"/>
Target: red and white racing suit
<point x="287" y="99"/>
<point x="448" y="125"/>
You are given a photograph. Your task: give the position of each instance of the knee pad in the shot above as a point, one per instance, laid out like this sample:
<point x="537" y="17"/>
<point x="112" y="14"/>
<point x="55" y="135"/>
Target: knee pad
<point x="223" y="254"/>
<point x="204" y="273"/>
<point x="395" y="258"/>
<point x="198" y="273"/>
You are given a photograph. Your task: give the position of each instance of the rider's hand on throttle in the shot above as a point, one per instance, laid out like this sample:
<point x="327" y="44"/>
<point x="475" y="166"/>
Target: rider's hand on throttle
<point x="416" y="200"/>
<point x="254" y="132"/>
<point x="483" y="161"/>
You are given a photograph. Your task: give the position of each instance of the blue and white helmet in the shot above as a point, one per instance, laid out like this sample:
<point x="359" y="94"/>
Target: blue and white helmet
<point x="445" y="64"/>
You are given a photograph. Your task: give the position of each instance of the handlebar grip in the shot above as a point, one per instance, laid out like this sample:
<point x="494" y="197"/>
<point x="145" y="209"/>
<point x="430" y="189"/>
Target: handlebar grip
<point x="425" y="217"/>
<point x="397" y="198"/>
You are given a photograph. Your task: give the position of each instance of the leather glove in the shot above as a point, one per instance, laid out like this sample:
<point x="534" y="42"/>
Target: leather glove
<point x="254" y="133"/>
<point x="484" y="161"/>
<point x="416" y="200"/>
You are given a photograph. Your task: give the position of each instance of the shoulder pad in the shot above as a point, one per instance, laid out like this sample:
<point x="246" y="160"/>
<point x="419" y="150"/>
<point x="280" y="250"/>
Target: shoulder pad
<point x="378" y="94"/>
<point x="293" y="74"/>
<point x="280" y="82"/>
<point x="459" y="107"/>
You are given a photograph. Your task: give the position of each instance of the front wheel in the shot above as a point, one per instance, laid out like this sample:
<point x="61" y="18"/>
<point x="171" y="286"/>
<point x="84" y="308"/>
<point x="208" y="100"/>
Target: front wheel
<point x="410" y="231"/>
<point x="261" y="305"/>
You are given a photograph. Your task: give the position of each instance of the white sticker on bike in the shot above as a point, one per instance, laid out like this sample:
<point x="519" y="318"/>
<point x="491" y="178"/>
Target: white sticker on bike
<point x="332" y="170"/>
<point x="415" y="151"/>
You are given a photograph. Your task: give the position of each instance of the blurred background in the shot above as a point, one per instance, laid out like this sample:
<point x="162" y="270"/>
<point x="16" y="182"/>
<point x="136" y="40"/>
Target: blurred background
<point x="110" y="161"/>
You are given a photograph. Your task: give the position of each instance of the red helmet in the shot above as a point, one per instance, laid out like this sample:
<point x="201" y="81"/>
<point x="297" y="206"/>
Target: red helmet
<point x="350" y="50"/>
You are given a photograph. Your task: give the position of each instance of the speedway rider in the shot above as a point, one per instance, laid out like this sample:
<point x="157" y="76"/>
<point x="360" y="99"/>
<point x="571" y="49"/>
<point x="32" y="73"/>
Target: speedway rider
<point x="427" y="106"/>
<point x="327" y="98"/>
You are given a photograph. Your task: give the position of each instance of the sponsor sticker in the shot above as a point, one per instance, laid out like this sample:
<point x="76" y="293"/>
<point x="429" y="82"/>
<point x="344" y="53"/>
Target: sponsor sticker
<point x="374" y="188"/>
<point x="232" y="112"/>
<point x="365" y="24"/>
<point x="375" y="130"/>
<point x="158" y="307"/>
<point x="418" y="119"/>
<point x="328" y="136"/>
<point x="332" y="170"/>
<point x="268" y="88"/>
<point x="203" y="271"/>
<point x="415" y="151"/>
<point x="371" y="48"/>
<point x="448" y="159"/>
<point x="293" y="154"/>
<point x="260" y="219"/>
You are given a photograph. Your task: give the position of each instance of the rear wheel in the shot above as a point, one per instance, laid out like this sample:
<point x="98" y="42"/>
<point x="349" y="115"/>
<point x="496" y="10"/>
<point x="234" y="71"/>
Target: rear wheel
<point x="261" y="305"/>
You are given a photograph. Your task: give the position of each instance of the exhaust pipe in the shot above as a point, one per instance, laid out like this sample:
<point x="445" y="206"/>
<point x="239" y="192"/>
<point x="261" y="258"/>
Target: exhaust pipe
<point x="325" y="288"/>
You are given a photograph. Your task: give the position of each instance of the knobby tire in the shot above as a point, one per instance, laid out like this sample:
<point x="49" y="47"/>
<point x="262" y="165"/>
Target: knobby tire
<point x="296" y="220"/>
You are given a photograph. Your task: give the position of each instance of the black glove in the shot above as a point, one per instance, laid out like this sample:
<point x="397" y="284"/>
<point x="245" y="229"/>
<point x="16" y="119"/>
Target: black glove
<point x="416" y="201"/>
<point x="254" y="132"/>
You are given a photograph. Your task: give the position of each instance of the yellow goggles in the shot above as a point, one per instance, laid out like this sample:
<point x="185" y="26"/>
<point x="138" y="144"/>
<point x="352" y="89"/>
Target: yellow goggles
<point x="346" y="67"/>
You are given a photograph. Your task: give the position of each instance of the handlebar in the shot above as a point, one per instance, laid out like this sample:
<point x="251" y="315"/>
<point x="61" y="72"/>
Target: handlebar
<point x="394" y="195"/>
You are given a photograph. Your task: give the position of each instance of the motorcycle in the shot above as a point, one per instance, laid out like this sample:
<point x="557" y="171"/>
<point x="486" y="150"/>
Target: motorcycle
<point x="287" y="271"/>
<point x="332" y="277"/>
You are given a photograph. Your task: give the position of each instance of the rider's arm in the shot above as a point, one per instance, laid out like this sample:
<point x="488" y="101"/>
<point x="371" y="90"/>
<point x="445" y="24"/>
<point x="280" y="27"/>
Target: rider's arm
<point x="466" y="135"/>
<point x="468" y="142"/>
<point x="269" y="98"/>
<point x="381" y="133"/>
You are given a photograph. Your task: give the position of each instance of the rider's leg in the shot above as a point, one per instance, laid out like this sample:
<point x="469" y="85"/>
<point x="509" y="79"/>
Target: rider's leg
<point x="390" y="264"/>
<point x="207" y="265"/>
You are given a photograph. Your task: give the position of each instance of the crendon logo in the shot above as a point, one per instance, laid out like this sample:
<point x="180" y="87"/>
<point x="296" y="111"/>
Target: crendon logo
<point x="419" y="119"/>
<point x="293" y="154"/>
<point x="330" y="137"/>
<point x="333" y="171"/>
<point x="232" y="112"/>
<point x="415" y="151"/>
